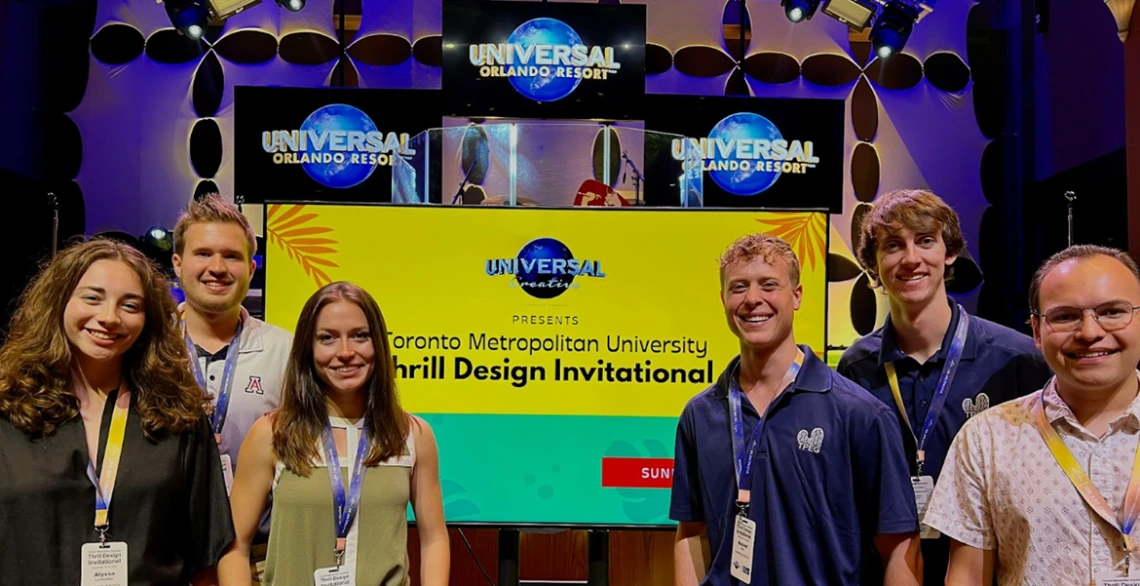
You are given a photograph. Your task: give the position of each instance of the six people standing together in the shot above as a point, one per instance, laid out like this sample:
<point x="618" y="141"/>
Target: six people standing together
<point x="147" y="443"/>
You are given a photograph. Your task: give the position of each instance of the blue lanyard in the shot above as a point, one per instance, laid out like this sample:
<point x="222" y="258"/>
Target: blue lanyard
<point x="945" y="379"/>
<point x="741" y="458"/>
<point x="344" y="507"/>
<point x="218" y="418"/>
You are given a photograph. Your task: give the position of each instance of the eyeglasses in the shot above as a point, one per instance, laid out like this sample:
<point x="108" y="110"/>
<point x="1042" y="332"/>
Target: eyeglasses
<point x="1111" y="316"/>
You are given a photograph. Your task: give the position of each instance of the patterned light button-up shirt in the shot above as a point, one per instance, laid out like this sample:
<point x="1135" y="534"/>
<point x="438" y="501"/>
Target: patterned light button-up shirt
<point x="1002" y="489"/>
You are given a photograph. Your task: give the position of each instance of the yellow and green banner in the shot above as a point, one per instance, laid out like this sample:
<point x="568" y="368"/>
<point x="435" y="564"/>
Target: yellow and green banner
<point x="552" y="350"/>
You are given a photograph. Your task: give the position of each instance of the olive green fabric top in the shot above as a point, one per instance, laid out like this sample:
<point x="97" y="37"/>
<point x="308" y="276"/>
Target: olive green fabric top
<point x="302" y="533"/>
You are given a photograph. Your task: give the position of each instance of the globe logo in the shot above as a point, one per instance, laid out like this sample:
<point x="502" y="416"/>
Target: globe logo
<point x="543" y="284"/>
<point x="741" y="176"/>
<point x="544" y="268"/>
<point x="545" y="31"/>
<point x="336" y="170"/>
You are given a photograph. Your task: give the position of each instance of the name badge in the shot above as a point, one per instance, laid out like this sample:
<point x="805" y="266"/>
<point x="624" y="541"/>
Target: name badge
<point x="228" y="472"/>
<point x="1108" y="579"/>
<point x="743" y="540"/>
<point x="923" y="488"/>
<point x="104" y="564"/>
<point x="334" y="576"/>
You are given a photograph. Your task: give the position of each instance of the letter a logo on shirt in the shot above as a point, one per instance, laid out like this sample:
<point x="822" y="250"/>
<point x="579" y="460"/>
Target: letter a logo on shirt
<point x="254" y="385"/>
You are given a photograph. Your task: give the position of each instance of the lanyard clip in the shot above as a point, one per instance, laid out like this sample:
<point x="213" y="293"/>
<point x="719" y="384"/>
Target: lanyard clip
<point x="102" y="535"/>
<point x="341" y="545"/>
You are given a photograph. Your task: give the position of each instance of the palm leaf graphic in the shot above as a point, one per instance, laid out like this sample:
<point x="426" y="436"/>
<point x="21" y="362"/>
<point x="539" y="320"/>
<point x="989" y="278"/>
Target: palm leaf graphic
<point x="293" y="230"/>
<point x="805" y="233"/>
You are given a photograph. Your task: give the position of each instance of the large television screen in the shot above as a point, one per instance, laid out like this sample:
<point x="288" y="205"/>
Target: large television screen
<point x="326" y="144"/>
<point x="543" y="59"/>
<point x="758" y="152"/>
<point x="552" y="350"/>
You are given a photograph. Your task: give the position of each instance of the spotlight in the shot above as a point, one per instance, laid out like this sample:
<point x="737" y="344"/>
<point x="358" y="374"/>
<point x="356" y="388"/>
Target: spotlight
<point x="856" y="14"/>
<point x="291" y="5"/>
<point x="891" y="31"/>
<point x="188" y="17"/>
<point x="799" y="10"/>
<point x="157" y="243"/>
<point x="222" y="9"/>
<point x="158" y="238"/>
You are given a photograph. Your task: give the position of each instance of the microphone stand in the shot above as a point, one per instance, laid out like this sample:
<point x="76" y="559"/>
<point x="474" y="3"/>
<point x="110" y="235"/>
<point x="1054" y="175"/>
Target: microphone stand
<point x="463" y="185"/>
<point x="637" y="178"/>
<point x="1071" y="197"/>
<point x="53" y="201"/>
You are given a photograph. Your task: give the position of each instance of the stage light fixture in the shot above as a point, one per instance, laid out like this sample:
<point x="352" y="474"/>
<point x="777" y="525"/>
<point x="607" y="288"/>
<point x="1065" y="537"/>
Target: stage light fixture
<point x="893" y="28"/>
<point x="157" y="243"/>
<point x="222" y="9"/>
<point x="856" y="14"/>
<point x="159" y="238"/>
<point x="189" y="17"/>
<point x="292" y="5"/>
<point x="799" y="10"/>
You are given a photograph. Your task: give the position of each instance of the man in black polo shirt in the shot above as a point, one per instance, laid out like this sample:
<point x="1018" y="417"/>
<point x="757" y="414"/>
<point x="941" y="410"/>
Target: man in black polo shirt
<point x="931" y="360"/>
<point x="814" y="492"/>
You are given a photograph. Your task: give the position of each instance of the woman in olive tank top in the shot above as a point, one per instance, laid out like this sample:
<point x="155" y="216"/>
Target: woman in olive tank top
<point x="341" y="460"/>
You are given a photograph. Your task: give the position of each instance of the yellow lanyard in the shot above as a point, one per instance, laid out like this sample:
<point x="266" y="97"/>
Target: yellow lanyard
<point x="105" y="481"/>
<point x="1084" y="484"/>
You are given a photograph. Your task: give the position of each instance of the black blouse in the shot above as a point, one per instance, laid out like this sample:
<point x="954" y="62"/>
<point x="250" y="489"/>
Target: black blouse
<point x="169" y="505"/>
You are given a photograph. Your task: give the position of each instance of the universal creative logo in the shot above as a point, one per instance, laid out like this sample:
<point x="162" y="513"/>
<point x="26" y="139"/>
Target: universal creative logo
<point x="745" y="154"/>
<point x="545" y="268"/>
<point x="338" y="146"/>
<point x="544" y="59"/>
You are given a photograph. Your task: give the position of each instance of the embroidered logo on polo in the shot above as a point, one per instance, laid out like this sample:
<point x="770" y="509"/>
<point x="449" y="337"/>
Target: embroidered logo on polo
<point x="810" y="442"/>
<point x="976" y="405"/>
<point x="254" y="385"/>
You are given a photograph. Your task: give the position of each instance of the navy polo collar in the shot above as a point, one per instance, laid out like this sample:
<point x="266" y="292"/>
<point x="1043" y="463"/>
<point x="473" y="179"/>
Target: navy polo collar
<point x="890" y="351"/>
<point x="814" y="375"/>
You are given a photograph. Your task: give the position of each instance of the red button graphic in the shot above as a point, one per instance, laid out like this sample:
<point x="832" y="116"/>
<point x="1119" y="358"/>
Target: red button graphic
<point x="637" y="472"/>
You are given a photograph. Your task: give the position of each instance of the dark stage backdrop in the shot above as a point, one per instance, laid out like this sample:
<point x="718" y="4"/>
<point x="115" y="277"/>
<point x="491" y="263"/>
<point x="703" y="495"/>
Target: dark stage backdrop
<point x="758" y="153"/>
<point x="513" y="59"/>
<point x="142" y="120"/>
<point x="306" y="144"/>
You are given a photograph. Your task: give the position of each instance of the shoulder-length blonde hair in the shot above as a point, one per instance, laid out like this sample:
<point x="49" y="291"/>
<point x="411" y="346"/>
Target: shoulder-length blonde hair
<point x="299" y="422"/>
<point x="36" y="359"/>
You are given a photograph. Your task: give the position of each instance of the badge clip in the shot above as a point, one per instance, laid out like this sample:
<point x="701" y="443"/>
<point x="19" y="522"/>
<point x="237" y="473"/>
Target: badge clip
<point x="339" y="551"/>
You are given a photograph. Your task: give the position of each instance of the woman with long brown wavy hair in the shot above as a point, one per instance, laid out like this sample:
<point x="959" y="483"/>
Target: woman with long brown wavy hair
<point x="339" y="407"/>
<point x="108" y="469"/>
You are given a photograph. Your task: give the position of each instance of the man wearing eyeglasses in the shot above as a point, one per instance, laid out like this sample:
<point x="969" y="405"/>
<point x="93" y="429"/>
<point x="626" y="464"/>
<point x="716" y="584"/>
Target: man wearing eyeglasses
<point x="1044" y="489"/>
<point x="931" y="362"/>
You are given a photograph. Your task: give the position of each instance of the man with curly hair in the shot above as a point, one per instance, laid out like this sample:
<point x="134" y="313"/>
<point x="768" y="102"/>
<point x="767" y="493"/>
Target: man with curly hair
<point x="931" y="362"/>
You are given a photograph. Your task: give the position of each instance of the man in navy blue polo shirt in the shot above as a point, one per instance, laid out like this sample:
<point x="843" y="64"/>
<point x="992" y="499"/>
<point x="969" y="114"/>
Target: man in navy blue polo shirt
<point x="814" y="492"/>
<point x="931" y="360"/>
